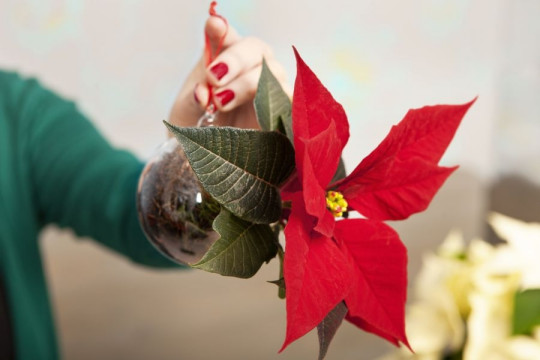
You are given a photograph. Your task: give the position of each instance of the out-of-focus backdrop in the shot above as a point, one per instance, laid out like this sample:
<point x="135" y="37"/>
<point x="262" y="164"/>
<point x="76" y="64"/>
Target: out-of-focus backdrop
<point x="123" y="62"/>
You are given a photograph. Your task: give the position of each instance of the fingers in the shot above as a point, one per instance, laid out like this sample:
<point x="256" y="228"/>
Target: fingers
<point x="232" y="76"/>
<point x="215" y="28"/>
<point x="200" y="95"/>
<point x="234" y="73"/>
<point x="239" y="58"/>
<point x="241" y="89"/>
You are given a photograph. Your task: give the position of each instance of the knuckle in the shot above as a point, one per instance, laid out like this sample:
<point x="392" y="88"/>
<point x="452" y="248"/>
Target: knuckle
<point x="262" y="46"/>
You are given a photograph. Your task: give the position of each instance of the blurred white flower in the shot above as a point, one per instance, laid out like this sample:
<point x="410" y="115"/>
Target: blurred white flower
<point x="524" y="244"/>
<point x="514" y="348"/>
<point x="444" y="279"/>
<point x="490" y="320"/>
<point x="434" y="323"/>
<point x="465" y="297"/>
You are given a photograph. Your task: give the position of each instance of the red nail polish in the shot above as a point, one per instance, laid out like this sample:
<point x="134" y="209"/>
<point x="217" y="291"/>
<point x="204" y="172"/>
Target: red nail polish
<point x="225" y="97"/>
<point x="219" y="70"/>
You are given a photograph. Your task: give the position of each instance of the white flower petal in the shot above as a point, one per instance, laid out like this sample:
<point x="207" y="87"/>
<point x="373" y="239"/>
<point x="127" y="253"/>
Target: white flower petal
<point x="524" y="239"/>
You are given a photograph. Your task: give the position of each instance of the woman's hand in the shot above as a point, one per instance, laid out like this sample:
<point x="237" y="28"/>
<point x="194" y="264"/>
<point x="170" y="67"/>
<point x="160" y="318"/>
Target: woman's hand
<point x="233" y="75"/>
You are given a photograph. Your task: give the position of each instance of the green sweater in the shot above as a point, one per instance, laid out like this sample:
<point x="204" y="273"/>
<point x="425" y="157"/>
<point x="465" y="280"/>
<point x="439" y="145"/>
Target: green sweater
<point x="56" y="168"/>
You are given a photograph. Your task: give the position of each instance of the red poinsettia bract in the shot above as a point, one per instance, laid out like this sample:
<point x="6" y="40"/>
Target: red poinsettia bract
<point x="359" y="261"/>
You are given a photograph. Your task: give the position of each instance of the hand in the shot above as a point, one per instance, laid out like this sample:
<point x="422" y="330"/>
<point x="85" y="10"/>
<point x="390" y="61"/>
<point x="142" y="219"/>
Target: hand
<point x="233" y="74"/>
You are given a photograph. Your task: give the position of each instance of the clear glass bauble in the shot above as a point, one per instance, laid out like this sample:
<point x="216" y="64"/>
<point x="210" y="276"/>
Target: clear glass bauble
<point x="175" y="212"/>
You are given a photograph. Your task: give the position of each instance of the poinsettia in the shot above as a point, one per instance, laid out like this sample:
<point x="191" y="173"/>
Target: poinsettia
<point x="331" y="261"/>
<point x="335" y="267"/>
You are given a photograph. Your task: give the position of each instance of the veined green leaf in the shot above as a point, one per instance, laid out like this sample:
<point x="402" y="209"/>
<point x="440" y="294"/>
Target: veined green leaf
<point x="242" y="248"/>
<point x="241" y="169"/>
<point x="272" y="104"/>
<point x="329" y="326"/>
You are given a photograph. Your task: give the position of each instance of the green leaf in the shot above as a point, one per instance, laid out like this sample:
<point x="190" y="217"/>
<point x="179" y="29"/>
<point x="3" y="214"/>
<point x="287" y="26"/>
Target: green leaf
<point x="526" y="311"/>
<point x="340" y="171"/>
<point x="241" y="169"/>
<point x="281" y="287"/>
<point x="279" y="282"/>
<point x="242" y="248"/>
<point x="272" y="104"/>
<point x="329" y="326"/>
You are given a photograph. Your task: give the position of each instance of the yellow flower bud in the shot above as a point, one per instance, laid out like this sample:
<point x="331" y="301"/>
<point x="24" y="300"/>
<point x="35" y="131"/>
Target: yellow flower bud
<point x="336" y="203"/>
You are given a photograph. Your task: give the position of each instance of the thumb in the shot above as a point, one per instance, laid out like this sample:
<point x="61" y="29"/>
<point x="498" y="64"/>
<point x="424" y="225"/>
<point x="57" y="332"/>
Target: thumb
<point x="215" y="29"/>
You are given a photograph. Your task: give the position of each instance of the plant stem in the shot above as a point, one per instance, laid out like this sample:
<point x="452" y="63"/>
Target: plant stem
<point x="281" y="254"/>
<point x="281" y="289"/>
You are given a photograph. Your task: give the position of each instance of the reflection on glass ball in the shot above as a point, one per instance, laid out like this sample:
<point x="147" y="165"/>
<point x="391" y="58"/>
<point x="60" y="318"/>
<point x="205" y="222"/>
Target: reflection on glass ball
<point x="175" y="212"/>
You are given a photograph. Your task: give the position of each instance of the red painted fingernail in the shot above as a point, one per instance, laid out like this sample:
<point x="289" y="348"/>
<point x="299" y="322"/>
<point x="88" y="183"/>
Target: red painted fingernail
<point x="225" y="97"/>
<point x="219" y="70"/>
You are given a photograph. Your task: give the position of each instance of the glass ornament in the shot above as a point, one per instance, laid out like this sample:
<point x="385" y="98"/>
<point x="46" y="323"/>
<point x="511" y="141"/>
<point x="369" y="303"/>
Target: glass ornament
<point x="175" y="212"/>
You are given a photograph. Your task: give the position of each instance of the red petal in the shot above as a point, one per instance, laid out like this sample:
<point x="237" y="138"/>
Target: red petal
<point x="362" y="324"/>
<point x="317" y="276"/>
<point x="397" y="189"/>
<point x="377" y="187"/>
<point x="314" y="111"/>
<point x="377" y="299"/>
<point x="292" y="186"/>
<point x="309" y="153"/>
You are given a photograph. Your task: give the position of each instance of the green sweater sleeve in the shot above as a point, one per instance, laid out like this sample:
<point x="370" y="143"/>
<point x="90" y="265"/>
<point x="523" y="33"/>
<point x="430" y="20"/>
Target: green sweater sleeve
<point x="79" y="180"/>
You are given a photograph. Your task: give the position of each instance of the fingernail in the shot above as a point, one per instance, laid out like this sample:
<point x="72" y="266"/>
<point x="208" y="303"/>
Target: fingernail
<point x="219" y="70"/>
<point x="225" y="97"/>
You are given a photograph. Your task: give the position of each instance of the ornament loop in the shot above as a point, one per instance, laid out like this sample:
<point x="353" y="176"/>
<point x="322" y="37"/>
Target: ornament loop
<point x="208" y="118"/>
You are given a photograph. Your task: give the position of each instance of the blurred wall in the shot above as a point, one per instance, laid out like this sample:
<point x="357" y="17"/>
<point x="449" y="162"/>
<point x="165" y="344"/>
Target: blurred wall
<point x="124" y="60"/>
<point x="379" y="58"/>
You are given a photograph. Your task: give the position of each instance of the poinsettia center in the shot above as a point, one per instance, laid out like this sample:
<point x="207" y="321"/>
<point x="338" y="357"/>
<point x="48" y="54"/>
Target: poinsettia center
<point x="336" y="203"/>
